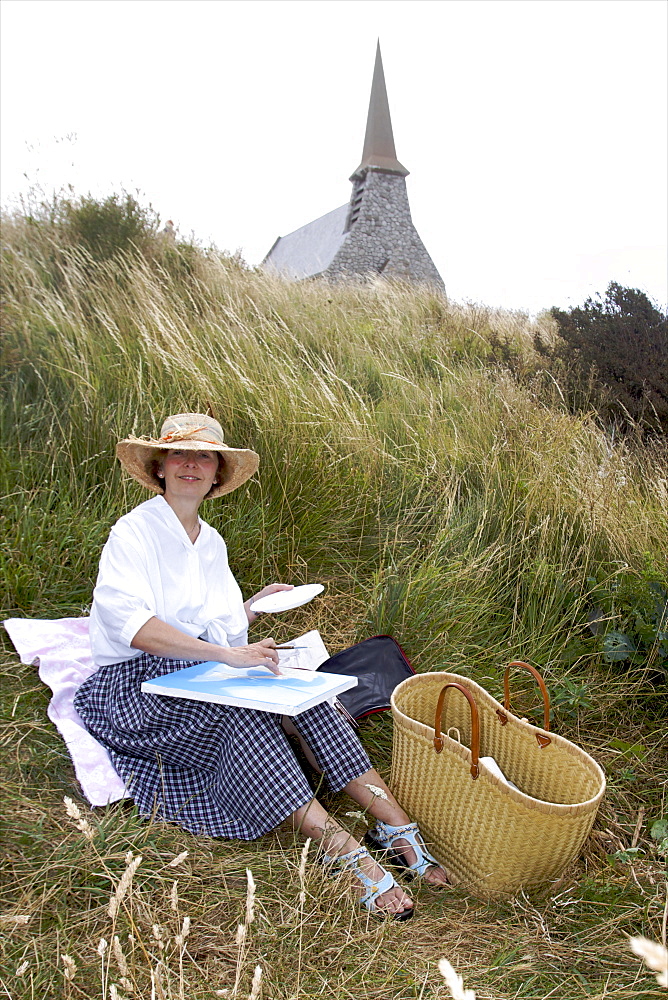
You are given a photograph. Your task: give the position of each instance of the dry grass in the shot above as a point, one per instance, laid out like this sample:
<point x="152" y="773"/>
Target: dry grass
<point x="78" y="879"/>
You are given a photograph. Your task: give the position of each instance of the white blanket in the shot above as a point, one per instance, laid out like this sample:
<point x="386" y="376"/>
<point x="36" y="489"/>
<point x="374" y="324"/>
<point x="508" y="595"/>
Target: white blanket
<point x="61" y="649"/>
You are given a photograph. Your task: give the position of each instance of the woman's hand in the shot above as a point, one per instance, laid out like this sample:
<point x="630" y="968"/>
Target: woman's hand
<point x="257" y="654"/>
<point x="160" y="639"/>
<point x="272" y="588"/>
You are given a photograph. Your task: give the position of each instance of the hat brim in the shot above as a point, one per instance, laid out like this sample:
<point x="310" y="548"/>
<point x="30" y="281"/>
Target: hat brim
<point x="137" y="455"/>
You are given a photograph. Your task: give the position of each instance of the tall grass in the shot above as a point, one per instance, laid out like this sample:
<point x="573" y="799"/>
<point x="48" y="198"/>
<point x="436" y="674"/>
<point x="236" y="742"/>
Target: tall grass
<point x="439" y="498"/>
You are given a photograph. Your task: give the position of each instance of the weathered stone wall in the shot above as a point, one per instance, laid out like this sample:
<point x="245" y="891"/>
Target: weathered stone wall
<point x="381" y="237"/>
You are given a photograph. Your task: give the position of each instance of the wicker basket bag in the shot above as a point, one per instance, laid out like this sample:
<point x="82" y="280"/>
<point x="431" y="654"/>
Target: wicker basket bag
<point x="495" y="839"/>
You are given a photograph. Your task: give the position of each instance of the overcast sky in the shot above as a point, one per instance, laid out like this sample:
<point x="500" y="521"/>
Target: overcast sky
<point x="534" y="130"/>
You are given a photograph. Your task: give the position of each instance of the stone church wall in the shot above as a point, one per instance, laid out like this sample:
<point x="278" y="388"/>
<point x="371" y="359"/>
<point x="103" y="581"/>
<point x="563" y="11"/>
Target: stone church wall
<point x="382" y="238"/>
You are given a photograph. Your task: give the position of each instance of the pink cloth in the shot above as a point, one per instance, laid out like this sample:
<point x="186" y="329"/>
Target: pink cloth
<point x="61" y="649"/>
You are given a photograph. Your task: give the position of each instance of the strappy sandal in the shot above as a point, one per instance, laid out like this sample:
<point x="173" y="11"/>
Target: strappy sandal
<point x="383" y="837"/>
<point x="351" y="862"/>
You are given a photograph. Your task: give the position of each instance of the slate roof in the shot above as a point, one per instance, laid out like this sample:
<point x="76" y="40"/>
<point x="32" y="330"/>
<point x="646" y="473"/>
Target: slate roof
<point x="309" y="250"/>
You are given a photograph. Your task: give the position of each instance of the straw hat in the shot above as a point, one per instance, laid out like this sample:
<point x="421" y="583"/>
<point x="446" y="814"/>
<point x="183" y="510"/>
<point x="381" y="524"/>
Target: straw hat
<point x="190" y="432"/>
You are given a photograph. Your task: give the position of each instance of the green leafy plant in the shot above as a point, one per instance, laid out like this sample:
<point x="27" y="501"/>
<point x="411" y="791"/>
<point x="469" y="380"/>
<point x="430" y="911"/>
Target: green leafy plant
<point x="629" y="750"/>
<point x="628" y="854"/>
<point x="631" y="617"/>
<point x="570" y="696"/>
<point x="659" y="832"/>
<point x="634" y="754"/>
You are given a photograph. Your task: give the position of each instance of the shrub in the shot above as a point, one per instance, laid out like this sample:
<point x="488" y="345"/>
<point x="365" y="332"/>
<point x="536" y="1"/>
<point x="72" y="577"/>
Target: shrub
<point x="612" y="354"/>
<point x="113" y="225"/>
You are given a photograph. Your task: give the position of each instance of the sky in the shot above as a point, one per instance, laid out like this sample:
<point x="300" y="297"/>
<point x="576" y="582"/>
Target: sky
<point x="535" y="131"/>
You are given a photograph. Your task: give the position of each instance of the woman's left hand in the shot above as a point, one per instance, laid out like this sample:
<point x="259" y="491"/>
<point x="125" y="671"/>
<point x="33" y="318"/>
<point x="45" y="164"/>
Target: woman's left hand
<point x="272" y="588"/>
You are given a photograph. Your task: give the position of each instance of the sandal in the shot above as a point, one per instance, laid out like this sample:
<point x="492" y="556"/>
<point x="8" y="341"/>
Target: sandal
<point x="383" y="837"/>
<point x="351" y="862"/>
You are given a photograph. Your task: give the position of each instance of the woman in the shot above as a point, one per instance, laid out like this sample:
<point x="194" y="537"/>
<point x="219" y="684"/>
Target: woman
<point x="165" y="597"/>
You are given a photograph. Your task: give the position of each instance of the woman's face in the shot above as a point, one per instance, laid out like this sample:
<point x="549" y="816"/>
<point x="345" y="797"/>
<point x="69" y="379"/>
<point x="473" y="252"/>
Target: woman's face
<point x="189" y="473"/>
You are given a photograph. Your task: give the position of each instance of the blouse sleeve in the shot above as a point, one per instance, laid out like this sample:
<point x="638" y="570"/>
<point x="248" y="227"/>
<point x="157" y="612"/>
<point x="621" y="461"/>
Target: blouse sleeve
<point x="123" y="596"/>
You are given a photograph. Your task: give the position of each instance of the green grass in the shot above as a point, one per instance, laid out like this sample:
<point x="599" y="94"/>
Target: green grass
<point x="440" y="498"/>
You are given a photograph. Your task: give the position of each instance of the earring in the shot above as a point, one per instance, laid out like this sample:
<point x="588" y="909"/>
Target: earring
<point x="160" y="475"/>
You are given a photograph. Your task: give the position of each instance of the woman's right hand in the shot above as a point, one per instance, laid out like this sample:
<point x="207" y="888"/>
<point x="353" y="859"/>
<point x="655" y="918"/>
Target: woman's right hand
<point x="160" y="639"/>
<point x="257" y="654"/>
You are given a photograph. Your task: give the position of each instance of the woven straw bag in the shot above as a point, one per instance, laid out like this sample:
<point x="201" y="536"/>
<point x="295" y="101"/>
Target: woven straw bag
<point x="494" y="839"/>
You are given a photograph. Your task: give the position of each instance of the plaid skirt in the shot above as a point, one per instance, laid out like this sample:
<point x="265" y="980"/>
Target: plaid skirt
<point x="213" y="769"/>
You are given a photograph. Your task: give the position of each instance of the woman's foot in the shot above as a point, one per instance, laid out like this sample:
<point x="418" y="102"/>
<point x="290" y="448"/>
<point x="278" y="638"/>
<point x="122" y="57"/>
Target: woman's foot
<point x="395" y="900"/>
<point x="379" y="893"/>
<point x="434" y="874"/>
<point x="405" y="847"/>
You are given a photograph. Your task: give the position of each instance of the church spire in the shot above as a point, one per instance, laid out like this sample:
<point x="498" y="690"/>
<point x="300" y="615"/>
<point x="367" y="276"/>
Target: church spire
<point x="379" y="148"/>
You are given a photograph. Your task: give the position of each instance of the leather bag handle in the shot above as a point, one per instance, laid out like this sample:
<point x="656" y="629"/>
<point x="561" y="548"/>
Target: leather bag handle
<point x="543" y="741"/>
<point x="475" y="725"/>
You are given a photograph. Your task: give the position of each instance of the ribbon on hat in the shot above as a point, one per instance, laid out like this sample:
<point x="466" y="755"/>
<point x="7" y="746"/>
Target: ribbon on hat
<point x="203" y="432"/>
<point x="182" y="434"/>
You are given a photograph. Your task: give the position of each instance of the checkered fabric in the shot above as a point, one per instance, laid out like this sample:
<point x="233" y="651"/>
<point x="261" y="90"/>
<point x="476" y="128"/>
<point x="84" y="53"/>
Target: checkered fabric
<point x="213" y="769"/>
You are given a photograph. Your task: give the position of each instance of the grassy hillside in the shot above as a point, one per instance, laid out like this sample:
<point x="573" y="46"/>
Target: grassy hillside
<point x="440" y="497"/>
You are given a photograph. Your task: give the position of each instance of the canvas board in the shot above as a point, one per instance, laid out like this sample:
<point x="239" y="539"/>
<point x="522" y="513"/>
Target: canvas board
<point x="252" y="687"/>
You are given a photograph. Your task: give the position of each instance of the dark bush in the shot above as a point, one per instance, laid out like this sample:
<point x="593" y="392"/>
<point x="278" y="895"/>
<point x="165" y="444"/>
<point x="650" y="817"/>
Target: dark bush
<point x="612" y="354"/>
<point x="116" y="224"/>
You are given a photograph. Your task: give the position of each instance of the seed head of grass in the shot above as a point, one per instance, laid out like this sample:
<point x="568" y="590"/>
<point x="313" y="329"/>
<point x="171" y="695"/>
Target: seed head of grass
<point x="179" y="859"/>
<point x="156" y="983"/>
<point x="256" y="985"/>
<point x="180" y="939"/>
<point x="654" y="955"/>
<point x="71" y="808"/>
<point x="250" y="898"/>
<point x="73" y="811"/>
<point x="454" y="982"/>
<point x="302" y="871"/>
<point x="70" y="969"/>
<point x="133" y="864"/>
<point x="119" y="955"/>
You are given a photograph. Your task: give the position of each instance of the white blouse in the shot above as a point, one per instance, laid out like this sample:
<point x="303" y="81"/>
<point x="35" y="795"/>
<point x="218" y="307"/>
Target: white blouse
<point x="150" y="568"/>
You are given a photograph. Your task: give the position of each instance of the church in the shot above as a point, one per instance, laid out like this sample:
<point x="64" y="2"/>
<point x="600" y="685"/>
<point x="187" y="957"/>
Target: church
<point x="373" y="234"/>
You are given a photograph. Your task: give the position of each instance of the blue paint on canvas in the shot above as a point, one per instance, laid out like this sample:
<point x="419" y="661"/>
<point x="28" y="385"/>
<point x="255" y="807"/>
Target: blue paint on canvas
<point x="253" y="687"/>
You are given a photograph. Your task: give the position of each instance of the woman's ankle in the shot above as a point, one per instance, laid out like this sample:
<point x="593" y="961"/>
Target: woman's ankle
<point x="338" y="846"/>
